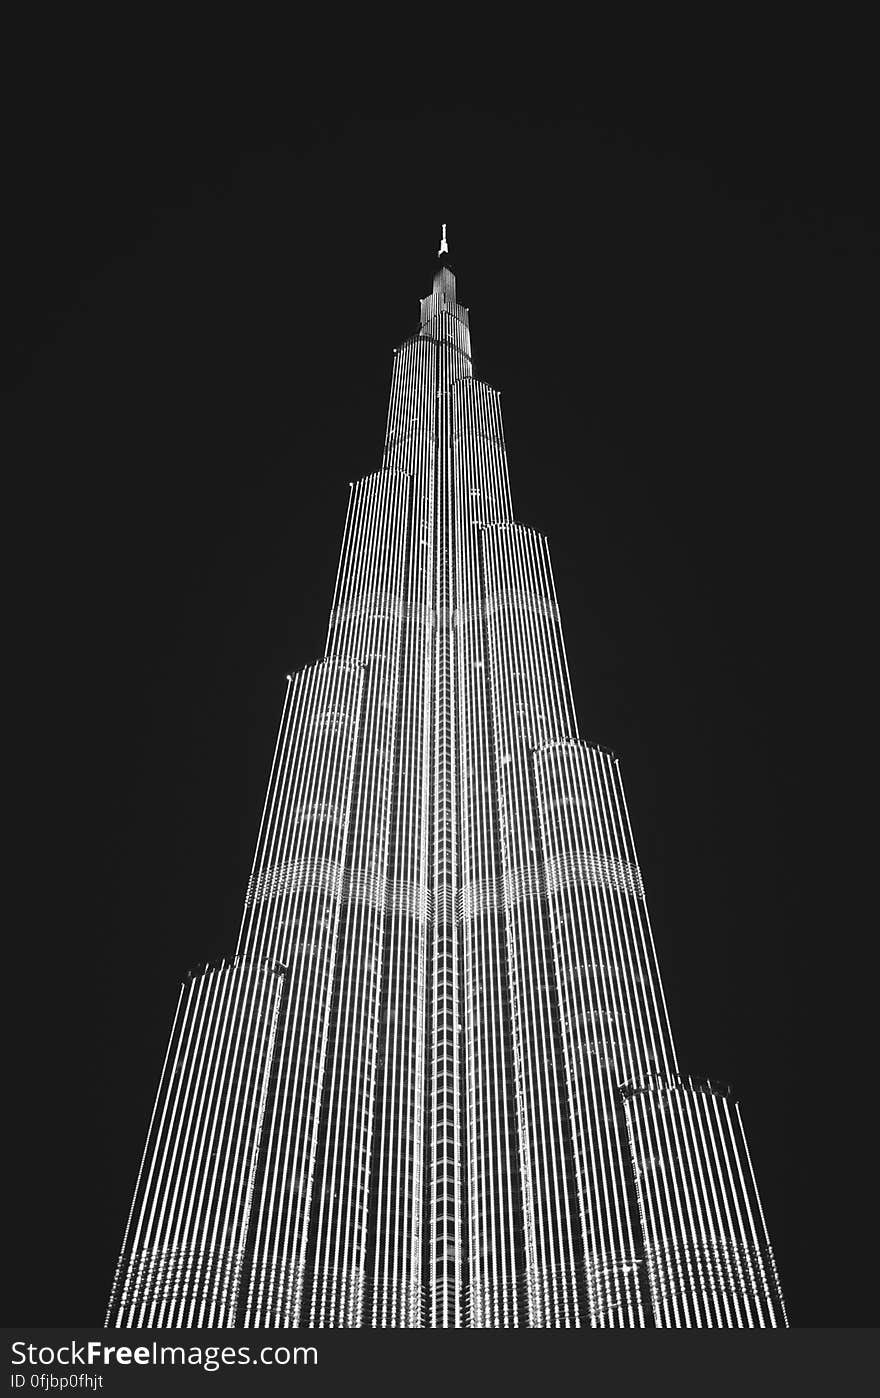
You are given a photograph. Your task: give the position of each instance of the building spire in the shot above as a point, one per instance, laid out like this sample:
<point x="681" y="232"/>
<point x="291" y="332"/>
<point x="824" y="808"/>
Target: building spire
<point x="444" y="246"/>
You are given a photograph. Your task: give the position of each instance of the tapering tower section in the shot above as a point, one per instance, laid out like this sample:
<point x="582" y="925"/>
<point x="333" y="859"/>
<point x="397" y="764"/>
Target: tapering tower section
<point x="436" y="1085"/>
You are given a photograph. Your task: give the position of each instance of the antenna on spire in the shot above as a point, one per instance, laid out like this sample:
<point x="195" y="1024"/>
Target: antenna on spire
<point x="444" y="246"/>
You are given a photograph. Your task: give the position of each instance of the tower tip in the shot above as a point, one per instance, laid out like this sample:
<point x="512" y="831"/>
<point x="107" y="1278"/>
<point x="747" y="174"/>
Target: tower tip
<point x="444" y="246"/>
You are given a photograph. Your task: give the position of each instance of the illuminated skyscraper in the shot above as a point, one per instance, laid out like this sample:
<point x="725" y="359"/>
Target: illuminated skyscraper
<point x="436" y="1084"/>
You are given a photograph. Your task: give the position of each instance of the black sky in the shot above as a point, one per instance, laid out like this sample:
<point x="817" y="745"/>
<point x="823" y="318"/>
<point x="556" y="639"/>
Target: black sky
<point x="672" y="279"/>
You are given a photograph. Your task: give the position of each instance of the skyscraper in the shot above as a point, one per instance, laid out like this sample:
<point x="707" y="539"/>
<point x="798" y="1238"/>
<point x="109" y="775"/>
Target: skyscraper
<point x="436" y="1084"/>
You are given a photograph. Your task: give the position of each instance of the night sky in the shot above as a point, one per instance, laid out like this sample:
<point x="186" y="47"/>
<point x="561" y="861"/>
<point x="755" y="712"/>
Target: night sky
<point x="673" y="282"/>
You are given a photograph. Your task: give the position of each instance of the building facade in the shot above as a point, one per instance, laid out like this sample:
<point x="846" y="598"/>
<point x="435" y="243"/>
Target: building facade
<point x="436" y="1085"/>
